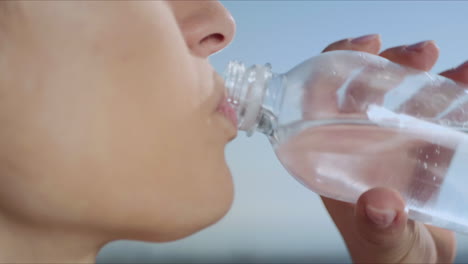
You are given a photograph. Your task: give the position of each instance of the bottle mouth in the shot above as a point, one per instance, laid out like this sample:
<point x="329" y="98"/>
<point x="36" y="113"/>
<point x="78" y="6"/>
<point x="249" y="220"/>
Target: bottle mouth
<point x="246" y="88"/>
<point x="234" y="77"/>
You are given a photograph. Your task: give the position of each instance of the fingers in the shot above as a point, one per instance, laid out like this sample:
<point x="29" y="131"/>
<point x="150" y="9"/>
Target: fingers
<point x="458" y="74"/>
<point x="373" y="83"/>
<point x="445" y="244"/>
<point x="457" y="113"/>
<point x="381" y="217"/>
<point x="380" y="231"/>
<point x="368" y="43"/>
<point x="447" y="102"/>
<point x="427" y="101"/>
<point x="321" y="99"/>
<point x="385" y="234"/>
<point x="421" y="56"/>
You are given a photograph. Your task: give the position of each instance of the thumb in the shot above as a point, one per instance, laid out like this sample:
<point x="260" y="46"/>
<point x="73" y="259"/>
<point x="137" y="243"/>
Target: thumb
<point x="385" y="234"/>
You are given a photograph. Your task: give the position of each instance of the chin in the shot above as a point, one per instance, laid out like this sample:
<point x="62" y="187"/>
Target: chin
<point x="177" y="231"/>
<point x="206" y="216"/>
<point x="193" y="216"/>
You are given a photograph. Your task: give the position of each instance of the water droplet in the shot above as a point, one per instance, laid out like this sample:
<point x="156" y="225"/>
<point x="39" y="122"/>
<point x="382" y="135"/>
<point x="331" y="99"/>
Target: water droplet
<point x="433" y="178"/>
<point x="427" y="156"/>
<point x="438" y="150"/>
<point x="435" y="165"/>
<point x="425" y="165"/>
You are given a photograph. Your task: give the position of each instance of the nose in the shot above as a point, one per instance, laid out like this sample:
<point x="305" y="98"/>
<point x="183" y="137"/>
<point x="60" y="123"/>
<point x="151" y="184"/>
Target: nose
<point x="206" y="25"/>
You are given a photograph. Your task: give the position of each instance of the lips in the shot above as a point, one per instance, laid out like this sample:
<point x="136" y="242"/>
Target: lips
<point x="228" y="111"/>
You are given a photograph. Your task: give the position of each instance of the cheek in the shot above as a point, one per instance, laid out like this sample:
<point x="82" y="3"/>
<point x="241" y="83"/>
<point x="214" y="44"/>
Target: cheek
<point x="118" y="131"/>
<point x="86" y="153"/>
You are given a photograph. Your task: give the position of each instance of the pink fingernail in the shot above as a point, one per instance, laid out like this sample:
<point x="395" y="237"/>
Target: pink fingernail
<point x="463" y="65"/>
<point x="382" y="218"/>
<point x="364" y="39"/>
<point x="418" y="46"/>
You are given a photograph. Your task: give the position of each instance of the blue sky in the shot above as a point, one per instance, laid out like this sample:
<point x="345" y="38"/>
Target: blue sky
<point x="273" y="215"/>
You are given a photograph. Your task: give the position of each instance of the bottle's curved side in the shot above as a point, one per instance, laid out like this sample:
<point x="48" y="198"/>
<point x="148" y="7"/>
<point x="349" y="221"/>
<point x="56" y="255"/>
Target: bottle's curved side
<point x="353" y="121"/>
<point x="341" y="161"/>
<point x="345" y="121"/>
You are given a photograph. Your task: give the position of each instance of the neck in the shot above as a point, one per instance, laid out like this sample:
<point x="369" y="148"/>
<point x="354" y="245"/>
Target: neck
<point x="34" y="244"/>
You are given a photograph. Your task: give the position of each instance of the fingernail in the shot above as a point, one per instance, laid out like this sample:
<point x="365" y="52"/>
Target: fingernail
<point x="463" y="65"/>
<point x="364" y="39"/>
<point x="382" y="218"/>
<point x="418" y="46"/>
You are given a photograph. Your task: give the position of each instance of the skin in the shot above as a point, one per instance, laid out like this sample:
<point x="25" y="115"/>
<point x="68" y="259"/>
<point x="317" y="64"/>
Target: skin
<point x="109" y="130"/>
<point x="98" y="114"/>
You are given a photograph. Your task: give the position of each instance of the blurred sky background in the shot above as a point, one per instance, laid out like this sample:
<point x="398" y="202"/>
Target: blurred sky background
<point x="274" y="219"/>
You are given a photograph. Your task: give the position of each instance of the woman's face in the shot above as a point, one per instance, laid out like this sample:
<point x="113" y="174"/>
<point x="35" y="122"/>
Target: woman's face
<point x="108" y="116"/>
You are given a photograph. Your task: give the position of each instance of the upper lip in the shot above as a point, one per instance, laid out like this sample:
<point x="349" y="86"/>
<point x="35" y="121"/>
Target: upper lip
<point x="223" y="106"/>
<point x="219" y="90"/>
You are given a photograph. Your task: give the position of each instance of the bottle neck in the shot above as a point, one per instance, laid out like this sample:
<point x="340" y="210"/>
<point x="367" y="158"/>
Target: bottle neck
<point x="256" y="95"/>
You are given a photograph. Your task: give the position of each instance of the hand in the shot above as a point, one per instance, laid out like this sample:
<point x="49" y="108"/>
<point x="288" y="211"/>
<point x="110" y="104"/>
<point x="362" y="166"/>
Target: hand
<point x="376" y="229"/>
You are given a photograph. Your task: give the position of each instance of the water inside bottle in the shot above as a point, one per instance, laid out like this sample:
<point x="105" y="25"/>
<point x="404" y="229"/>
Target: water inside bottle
<point x="341" y="159"/>
<point x="344" y="122"/>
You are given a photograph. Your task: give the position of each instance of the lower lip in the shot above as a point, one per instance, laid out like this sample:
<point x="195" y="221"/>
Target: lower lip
<point x="228" y="111"/>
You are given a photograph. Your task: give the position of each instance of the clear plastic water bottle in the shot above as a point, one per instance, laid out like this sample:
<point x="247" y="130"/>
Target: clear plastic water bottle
<point x="345" y="121"/>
